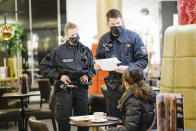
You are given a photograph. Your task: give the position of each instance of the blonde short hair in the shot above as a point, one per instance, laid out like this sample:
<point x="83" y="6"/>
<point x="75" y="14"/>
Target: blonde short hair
<point x="68" y="26"/>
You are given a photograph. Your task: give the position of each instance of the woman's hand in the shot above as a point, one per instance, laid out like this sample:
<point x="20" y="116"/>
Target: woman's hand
<point x="65" y="79"/>
<point x="84" y="79"/>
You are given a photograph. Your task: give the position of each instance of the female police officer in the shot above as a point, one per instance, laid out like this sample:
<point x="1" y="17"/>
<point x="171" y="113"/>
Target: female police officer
<point x="127" y="46"/>
<point x="71" y="65"/>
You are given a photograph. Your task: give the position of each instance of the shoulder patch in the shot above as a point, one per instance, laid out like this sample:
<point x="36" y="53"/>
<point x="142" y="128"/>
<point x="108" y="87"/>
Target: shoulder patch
<point x="144" y="50"/>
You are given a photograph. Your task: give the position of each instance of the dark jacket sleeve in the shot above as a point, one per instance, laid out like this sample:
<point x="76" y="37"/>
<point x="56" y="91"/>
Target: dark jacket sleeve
<point x="47" y="66"/>
<point x="140" y="53"/>
<point x="100" y="53"/>
<point x="91" y="71"/>
<point x="132" y="118"/>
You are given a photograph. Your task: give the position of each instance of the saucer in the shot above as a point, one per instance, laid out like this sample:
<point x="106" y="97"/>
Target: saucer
<point x="98" y="120"/>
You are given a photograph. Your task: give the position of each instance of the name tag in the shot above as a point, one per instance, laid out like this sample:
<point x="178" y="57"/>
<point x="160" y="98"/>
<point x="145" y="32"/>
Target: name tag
<point x="67" y="60"/>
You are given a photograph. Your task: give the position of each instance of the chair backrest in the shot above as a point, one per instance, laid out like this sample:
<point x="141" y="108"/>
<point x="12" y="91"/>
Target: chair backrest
<point x="45" y="88"/>
<point x="36" y="125"/>
<point x="52" y="100"/>
<point x="106" y="98"/>
<point x="3" y="101"/>
<point x="9" y="115"/>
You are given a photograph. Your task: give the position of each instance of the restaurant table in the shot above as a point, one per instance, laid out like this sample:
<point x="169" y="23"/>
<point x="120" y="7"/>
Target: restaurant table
<point x="177" y="130"/>
<point x="95" y="125"/>
<point x="21" y="97"/>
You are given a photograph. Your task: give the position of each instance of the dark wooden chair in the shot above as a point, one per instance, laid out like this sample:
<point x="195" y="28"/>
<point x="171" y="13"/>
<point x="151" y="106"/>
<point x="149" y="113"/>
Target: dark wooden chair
<point x="45" y="88"/>
<point x="96" y="103"/>
<point x="42" y="113"/>
<point x="9" y="115"/>
<point x="36" y="125"/>
<point x="106" y="98"/>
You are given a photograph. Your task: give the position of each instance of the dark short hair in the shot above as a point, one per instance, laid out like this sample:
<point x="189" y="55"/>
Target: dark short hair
<point x="113" y="13"/>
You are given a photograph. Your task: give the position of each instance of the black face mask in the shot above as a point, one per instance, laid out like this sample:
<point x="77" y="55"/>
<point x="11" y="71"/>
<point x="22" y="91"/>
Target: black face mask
<point x="74" y="40"/>
<point x="116" y="30"/>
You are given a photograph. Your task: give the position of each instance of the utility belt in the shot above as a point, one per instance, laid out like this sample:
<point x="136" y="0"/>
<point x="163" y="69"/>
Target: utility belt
<point x="59" y="85"/>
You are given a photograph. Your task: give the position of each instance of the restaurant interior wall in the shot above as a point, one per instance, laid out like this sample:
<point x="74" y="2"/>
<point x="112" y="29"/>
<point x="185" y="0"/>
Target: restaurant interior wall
<point x="83" y="14"/>
<point x="168" y="9"/>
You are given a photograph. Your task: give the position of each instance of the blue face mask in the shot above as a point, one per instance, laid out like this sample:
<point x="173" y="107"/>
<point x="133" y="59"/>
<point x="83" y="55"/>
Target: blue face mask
<point x="116" y="30"/>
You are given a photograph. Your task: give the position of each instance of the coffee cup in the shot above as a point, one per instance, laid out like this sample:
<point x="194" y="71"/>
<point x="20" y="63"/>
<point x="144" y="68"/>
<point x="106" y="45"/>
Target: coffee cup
<point x="99" y="115"/>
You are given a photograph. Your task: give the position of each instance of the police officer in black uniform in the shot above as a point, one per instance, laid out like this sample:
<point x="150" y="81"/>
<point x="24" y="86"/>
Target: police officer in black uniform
<point x="125" y="45"/>
<point x="71" y="65"/>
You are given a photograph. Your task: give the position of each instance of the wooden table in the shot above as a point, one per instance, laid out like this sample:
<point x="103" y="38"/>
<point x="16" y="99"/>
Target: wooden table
<point x="95" y="125"/>
<point x="183" y="130"/>
<point x="21" y="97"/>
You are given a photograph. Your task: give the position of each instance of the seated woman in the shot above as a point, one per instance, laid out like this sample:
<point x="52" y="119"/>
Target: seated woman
<point x="136" y="104"/>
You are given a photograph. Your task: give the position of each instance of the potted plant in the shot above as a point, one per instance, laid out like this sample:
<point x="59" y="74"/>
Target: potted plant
<point x="14" y="46"/>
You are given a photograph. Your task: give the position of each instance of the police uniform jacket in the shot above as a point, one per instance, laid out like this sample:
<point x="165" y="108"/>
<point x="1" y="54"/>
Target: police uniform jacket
<point x="128" y="48"/>
<point x="75" y="59"/>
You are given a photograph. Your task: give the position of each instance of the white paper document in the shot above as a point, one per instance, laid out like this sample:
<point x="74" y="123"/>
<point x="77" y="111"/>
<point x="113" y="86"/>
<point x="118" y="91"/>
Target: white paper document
<point x="82" y="118"/>
<point x="108" y="64"/>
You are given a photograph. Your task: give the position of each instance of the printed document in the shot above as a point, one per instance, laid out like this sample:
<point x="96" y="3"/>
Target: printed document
<point x="108" y="64"/>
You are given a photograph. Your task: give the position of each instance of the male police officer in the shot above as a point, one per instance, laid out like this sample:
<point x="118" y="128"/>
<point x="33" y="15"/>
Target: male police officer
<point x="125" y="45"/>
<point x="71" y="65"/>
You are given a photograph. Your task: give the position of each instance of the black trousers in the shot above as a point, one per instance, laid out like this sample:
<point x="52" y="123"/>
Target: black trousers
<point x="66" y="100"/>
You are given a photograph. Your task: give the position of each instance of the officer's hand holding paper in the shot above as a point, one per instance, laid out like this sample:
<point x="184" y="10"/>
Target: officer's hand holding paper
<point x="121" y="69"/>
<point x="109" y="64"/>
